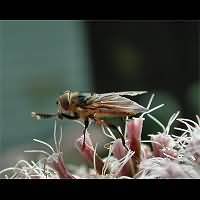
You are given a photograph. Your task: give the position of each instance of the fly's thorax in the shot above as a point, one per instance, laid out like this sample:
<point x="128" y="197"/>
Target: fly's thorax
<point x="74" y="98"/>
<point x="68" y="100"/>
<point x="84" y="113"/>
<point x="63" y="102"/>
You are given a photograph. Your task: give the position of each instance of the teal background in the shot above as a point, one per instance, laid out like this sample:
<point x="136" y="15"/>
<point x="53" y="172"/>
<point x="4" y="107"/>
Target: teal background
<point x="38" y="61"/>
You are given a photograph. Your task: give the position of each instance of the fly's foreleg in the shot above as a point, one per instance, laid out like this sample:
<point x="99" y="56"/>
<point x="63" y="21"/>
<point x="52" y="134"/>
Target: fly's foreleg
<point x="86" y="123"/>
<point x="74" y="117"/>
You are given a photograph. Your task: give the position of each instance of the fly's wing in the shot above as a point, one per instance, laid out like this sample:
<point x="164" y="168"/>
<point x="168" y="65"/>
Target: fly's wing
<point x="87" y="98"/>
<point x="113" y="103"/>
<point x="127" y="93"/>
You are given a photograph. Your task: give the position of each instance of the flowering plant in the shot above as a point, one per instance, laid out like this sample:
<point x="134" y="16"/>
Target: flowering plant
<point x="167" y="156"/>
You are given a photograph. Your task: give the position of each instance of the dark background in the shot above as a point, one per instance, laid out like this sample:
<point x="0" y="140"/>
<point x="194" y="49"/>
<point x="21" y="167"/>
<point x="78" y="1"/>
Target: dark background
<point x="146" y="55"/>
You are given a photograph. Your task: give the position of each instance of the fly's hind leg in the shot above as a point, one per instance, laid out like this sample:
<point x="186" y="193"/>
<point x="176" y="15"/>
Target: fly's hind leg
<point x="102" y="122"/>
<point x="120" y="134"/>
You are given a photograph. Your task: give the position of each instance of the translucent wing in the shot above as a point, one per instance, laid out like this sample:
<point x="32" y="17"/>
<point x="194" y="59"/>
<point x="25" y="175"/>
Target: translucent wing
<point x="127" y="93"/>
<point x="87" y="98"/>
<point x="113" y="104"/>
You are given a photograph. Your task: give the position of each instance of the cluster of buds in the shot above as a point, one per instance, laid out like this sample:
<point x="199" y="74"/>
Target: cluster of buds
<point x="168" y="156"/>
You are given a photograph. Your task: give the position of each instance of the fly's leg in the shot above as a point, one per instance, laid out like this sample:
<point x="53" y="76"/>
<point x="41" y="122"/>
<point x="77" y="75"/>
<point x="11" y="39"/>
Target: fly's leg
<point x="86" y="123"/>
<point x="74" y="117"/>
<point x="102" y="122"/>
<point x="120" y="134"/>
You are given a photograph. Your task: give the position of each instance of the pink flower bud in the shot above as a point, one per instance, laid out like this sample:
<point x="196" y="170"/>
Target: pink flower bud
<point x="166" y="168"/>
<point x="163" y="145"/>
<point x="119" y="152"/>
<point x="56" y="162"/>
<point x="88" y="152"/>
<point x="146" y="151"/>
<point x="192" y="148"/>
<point x="134" y="136"/>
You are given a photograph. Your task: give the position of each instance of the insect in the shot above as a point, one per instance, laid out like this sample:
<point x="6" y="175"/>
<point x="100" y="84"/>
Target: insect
<point x="85" y="106"/>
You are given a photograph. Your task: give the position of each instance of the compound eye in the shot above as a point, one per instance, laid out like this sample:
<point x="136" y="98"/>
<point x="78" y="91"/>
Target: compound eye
<point x="57" y="102"/>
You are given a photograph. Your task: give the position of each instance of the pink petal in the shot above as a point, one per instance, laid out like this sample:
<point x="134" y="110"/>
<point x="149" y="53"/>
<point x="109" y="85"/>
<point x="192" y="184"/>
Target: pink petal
<point x="57" y="163"/>
<point x="119" y="152"/>
<point x="88" y="152"/>
<point x="134" y="136"/>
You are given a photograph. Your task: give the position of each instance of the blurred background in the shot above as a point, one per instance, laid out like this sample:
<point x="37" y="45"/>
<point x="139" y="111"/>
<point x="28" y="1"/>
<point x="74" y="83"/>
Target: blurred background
<point x="39" y="60"/>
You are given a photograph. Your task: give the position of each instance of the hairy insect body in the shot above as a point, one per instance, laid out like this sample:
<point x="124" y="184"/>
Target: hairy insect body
<point x="85" y="106"/>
